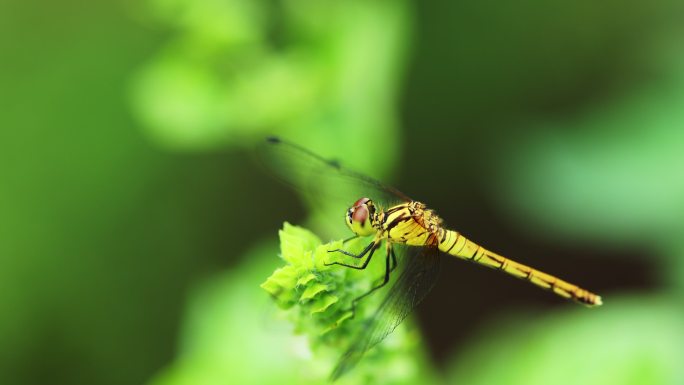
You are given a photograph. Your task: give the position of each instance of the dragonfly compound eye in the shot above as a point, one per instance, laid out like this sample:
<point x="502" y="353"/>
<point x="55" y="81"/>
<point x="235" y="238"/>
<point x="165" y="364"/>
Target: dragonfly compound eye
<point x="360" y="214"/>
<point x="361" y="202"/>
<point x="359" y="217"/>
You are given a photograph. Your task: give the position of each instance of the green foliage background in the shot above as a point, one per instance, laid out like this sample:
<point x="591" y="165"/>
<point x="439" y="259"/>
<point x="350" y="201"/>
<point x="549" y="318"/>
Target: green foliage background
<point x="135" y="229"/>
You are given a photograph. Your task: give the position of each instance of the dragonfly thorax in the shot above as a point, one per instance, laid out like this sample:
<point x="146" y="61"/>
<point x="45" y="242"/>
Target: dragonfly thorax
<point x="361" y="217"/>
<point x="425" y="217"/>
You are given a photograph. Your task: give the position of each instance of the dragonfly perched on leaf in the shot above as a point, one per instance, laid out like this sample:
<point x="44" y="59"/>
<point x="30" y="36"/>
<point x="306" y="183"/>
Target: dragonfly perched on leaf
<point x="406" y="228"/>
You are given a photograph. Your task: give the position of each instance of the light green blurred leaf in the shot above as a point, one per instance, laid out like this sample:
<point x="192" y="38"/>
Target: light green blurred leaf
<point x="613" y="173"/>
<point x="237" y="70"/>
<point x="633" y="340"/>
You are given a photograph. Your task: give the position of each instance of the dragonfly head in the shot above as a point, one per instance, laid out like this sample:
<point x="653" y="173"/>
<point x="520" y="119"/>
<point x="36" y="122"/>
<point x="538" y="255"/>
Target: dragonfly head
<point x="361" y="217"/>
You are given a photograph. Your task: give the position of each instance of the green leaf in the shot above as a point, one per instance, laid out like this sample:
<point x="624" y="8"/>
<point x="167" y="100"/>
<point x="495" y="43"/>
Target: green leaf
<point x="313" y="290"/>
<point x="323" y="303"/>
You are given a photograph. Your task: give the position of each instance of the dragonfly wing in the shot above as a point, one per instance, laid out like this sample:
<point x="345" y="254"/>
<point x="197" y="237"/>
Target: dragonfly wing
<point x="324" y="182"/>
<point x="416" y="279"/>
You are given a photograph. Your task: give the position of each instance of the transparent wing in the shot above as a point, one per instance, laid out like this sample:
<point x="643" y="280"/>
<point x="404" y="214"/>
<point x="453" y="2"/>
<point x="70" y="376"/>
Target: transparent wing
<point x="324" y="183"/>
<point x="416" y="279"/>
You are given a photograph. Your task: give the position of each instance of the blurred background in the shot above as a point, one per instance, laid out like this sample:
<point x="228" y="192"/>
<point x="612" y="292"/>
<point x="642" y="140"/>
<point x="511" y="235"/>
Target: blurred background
<point x="136" y="227"/>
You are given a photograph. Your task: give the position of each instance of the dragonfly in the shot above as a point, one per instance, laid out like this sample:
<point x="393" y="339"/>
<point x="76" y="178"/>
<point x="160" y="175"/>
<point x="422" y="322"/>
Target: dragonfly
<point x="406" y="227"/>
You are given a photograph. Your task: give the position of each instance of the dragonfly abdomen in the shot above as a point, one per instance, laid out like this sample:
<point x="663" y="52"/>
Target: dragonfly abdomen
<point x="455" y="244"/>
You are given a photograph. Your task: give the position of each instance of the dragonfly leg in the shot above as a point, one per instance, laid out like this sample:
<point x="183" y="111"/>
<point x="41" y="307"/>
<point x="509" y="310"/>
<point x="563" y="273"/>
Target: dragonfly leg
<point x="394" y="259"/>
<point x="372" y="247"/>
<point x="361" y="255"/>
<point x="389" y="257"/>
<point x="350" y="239"/>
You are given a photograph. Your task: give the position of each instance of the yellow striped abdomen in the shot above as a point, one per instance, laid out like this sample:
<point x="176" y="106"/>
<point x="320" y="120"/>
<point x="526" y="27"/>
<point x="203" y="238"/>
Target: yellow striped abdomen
<point x="453" y="243"/>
